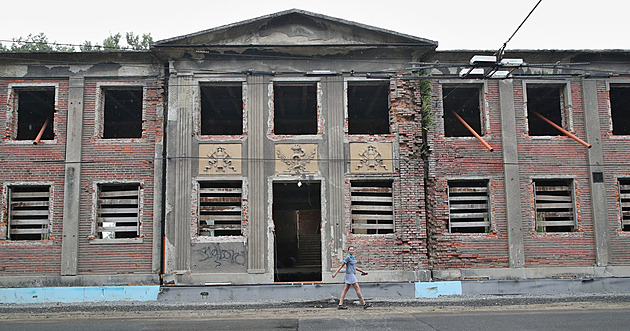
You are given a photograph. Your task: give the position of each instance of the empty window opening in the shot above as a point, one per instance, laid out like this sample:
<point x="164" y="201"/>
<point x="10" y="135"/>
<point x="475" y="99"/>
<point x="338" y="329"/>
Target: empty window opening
<point x="368" y="108"/>
<point x="220" y="208"/>
<point x="624" y="199"/>
<point x="620" y="108"/>
<point x="29" y="212"/>
<point x="548" y="101"/>
<point x="295" y="109"/>
<point x="555" y="211"/>
<point x="465" y="102"/>
<point x="36" y="112"/>
<point x="221" y="110"/>
<point x="372" y="206"/>
<point x="118" y="211"/>
<point x="468" y="206"/>
<point x="297" y="219"/>
<point x="122" y="113"/>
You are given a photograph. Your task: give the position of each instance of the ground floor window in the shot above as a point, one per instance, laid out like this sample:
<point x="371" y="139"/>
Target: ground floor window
<point x="220" y="208"/>
<point x="624" y="201"/>
<point x="554" y="205"/>
<point x="29" y="212"/>
<point x="118" y="212"/>
<point x="468" y="206"/>
<point x="372" y="205"/>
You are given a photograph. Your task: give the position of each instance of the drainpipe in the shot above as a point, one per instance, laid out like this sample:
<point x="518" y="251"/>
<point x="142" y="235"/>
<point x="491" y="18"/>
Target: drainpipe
<point x="569" y="134"/>
<point x="473" y="132"/>
<point x="41" y="132"/>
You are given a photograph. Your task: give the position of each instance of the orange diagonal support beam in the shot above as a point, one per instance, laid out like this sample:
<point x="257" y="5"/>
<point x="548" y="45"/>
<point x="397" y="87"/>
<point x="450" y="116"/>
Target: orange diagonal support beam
<point x="41" y="132"/>
<point x="473" y="132"/>
<point x="569" y="134"/>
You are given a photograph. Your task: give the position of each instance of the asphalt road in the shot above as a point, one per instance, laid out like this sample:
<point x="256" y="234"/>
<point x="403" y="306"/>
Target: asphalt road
<point x="555" y="316"/>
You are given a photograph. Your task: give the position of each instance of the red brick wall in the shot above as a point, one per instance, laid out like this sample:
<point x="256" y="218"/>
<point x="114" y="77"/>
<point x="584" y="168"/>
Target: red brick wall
<point x="405" y="249"/>
<point x="557" y="157"/>
<point x="23" y="162"/>
<point x="616" y="151"/>
<point x="465" y="158"/>
<point x="129" y="160"/>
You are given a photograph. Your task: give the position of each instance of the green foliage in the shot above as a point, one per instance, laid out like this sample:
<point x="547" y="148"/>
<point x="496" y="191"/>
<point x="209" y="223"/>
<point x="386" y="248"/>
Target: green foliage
<point x="36" y="43"/>
<point x="428" y="117"/>
<point x="40" y="43"/>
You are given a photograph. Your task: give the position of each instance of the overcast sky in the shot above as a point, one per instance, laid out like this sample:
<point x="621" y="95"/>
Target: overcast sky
<point x="454" y="24"/>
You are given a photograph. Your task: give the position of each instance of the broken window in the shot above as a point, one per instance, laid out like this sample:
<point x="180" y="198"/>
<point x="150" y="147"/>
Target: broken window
<point x="372" y="205"/>
<point x="468" y="206"/>
<point x="118" y="211"/>
<point x="220" y="208"/>
<point x="465" y="102"/>
<point x="546" y="101"/>
<point x="620" y="108"/>
<point x="555" y="211"/>
<point x="221" y="109"/>
<point x="29" y="212"/>
<point x="35" y="113"/>
<point x="295" y="108"/>
<point x="122" y="113"/>
<point x="368" y="108"/>
<point x="624" y="200"/>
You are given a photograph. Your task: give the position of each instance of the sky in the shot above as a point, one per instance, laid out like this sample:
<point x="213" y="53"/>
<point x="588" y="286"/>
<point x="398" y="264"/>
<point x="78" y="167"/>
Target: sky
<point x="454" y="24"/>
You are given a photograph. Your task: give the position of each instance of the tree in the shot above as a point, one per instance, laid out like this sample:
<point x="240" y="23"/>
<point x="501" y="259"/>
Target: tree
<point x="136" y="44"/>
<point x="112" y="42"/>
<point x="36" y="43"/>
<point x="40" y="43"/>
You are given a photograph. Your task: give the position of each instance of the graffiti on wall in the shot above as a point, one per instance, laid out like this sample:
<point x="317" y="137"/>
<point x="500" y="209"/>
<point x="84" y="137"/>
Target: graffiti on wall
<point x="219" y="256"/>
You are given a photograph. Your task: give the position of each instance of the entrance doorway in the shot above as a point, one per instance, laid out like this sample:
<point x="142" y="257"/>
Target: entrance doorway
<point x="297" y="218"/>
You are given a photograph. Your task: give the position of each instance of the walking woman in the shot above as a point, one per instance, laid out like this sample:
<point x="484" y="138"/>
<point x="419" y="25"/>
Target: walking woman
<point x="350" y="279"/>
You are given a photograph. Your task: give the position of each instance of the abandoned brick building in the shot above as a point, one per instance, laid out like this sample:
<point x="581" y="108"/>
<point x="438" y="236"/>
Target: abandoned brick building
<point x="258" y="151"/>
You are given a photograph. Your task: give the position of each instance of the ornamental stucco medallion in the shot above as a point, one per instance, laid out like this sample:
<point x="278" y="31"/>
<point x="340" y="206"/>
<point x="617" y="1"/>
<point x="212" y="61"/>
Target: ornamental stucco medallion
<point x="296" y="159"/>
<point x="371" y="158"/>
<point x="222" y="159"/>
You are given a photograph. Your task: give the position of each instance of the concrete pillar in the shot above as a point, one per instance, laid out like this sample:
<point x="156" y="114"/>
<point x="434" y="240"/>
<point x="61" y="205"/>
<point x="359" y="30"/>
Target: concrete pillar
<point x="596" y="161"/>
<point x="511" y="174"/>
<point x="333" y="90"/>
<point x="179" y="172"/>
<point x="256" y="97"/>
<point x="72" y="186"/>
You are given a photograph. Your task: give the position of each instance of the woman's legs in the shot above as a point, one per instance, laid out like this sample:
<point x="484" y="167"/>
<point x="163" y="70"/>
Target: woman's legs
<point x="343" y="294"/>
<point x="358" y="290"/>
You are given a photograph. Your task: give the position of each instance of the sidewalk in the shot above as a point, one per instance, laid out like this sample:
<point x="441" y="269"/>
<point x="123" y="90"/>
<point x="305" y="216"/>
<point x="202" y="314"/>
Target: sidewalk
<point x="317" y="292"/>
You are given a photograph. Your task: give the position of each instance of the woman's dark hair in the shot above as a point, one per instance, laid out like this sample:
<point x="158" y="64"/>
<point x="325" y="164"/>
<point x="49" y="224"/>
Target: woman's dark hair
<point x="347" y="249"/>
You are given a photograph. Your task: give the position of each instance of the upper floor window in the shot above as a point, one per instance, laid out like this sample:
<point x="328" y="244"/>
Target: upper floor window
<point x="468" y="206"/>
<point x="620" y="108"/>
<point x="118" y="211"/>
<point x="35" y="113"/>
<point x="462" y="103"/>
<point x="554" y="205"/>
<point x="372" y="204"/>
<point x="368" y="107"/>
<point x="548" y="101"/>
<point x="222" y="109"/>
<point x="295" y="108"/>
<point x="122" y="112"/>
<point x="29" y="212"/>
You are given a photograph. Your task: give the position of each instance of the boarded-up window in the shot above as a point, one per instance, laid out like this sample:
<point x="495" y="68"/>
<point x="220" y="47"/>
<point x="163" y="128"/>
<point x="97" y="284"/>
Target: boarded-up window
<point x="122" y="113"/>
<point x="368" y="107"/>
<point x="372" y="207"/>
<point x="35" y="112"/>
<point x="220" y="208"/>
<point x="555" y="210"/>
<point x="620" y="108"/>
<point x="118" y="211"/>
<point x="464" y="101"/>
<point x="29" y="212"/>
<point x="548" y="101"/>
<point x="468" y="206"/>
<point x="222" y="109"/>
<point x="295" y="108"/>
<point x="624" y="199"/>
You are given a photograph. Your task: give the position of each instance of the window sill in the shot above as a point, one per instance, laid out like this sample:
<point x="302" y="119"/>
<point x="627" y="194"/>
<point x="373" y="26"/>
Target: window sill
<point x="116" y="241"/>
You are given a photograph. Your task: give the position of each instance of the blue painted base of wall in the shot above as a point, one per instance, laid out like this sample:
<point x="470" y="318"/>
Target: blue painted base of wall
<point x="79" y="294"/>
<point x="436" y="289"/>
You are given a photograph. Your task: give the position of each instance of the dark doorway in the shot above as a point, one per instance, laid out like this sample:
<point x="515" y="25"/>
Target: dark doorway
<point x="297" y="219"/>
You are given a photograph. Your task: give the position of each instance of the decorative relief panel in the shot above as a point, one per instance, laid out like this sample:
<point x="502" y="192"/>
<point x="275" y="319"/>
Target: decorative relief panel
<point x="296" y="159"/>
<point x="223" y="159"/>
<point x="371" y="158"/>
